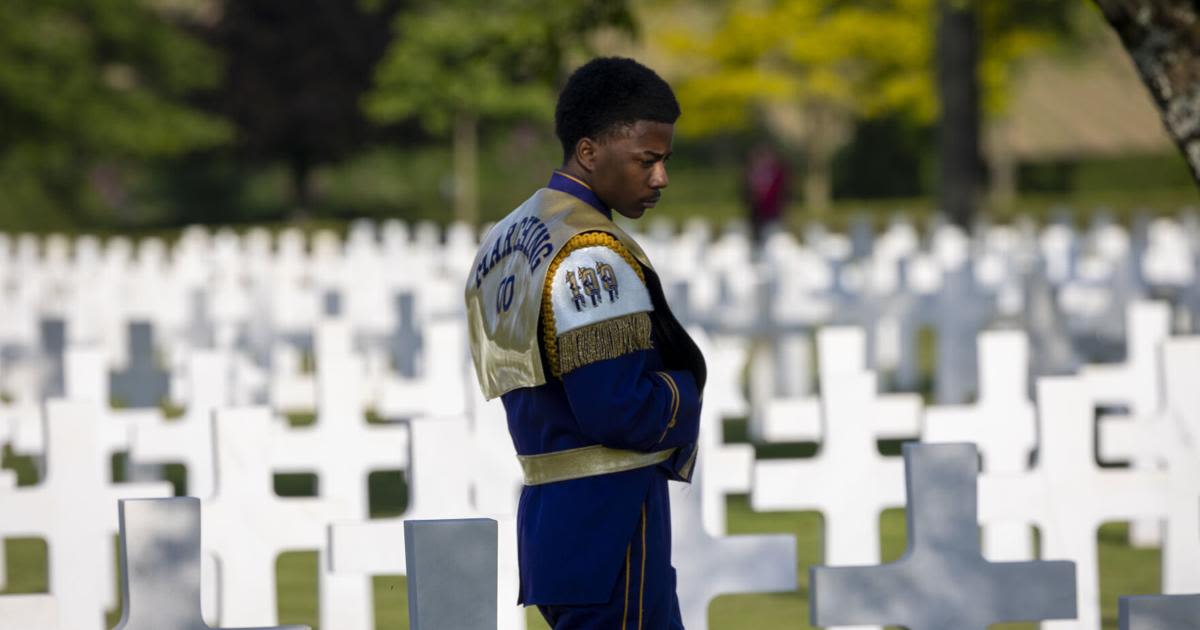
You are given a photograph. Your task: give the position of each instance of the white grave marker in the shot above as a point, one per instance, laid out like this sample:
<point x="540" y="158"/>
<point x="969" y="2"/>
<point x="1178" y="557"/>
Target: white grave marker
<point x="439" y="487"/>
<point x="451" y="568"/>
<point x="1001" y="423"/>
<point x="343" y="450"/>
<point x="246" y="526"/>
<point x="709" y="565"/>
<point x="1159" y="612"/>
<point x="856" y="482"/>
<point x="1136" y="384"/>
<point x="189" y="439"/>
<point x="1068" y="496"/>
<point x="28" y="612"/>
<point x="942" y="582"/>
<point x="73" y="510"/>
<point x="160" y="565"/>
<point x="1171" y="438"/>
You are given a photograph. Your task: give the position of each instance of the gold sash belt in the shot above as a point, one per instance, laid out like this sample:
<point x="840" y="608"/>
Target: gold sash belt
<point x="586" y="461"/>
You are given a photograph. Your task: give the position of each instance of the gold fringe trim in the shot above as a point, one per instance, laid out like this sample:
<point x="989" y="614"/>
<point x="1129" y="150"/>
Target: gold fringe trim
<point x="579" y="241"/>
<point x="608" y="339"/>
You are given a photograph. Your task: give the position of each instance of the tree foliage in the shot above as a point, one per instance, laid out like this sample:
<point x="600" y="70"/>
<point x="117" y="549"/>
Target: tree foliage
<point x="866" y="58"/>
<point x="89" y="82"/>
<point x="807" y="69"/>
<point x="496" y="60"/>
<point x="456" y="63"/>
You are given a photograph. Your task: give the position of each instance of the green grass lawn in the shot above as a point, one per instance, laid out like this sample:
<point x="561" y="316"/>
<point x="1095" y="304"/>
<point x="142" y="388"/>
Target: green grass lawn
<point x="1124" y="570"/>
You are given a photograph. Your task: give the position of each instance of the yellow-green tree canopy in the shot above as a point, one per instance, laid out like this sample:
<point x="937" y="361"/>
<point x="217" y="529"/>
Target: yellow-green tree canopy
<point x="863" y="58"/>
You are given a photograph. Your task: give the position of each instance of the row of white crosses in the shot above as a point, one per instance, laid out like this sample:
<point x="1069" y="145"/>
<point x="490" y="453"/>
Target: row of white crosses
<point x="258" y="298"/>
<point x="848" y="396"/>
<point x="232" y="465"/>
<point x="942" y="582"/>
<point x="244" y="295"/>
<point x="247" y="526"/>
<point x="1066" y="495"/>
<point x="850" y="354"/>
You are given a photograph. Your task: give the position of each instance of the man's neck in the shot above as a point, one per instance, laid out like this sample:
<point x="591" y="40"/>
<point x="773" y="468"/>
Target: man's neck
<point x="574" y="170"/>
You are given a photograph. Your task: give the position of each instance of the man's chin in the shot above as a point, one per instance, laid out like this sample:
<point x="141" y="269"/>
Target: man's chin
<point x="632" y="213"/>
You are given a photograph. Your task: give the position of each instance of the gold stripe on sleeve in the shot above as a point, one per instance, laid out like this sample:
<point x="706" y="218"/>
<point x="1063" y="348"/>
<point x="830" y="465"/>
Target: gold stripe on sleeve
<point x="674" y="387"/>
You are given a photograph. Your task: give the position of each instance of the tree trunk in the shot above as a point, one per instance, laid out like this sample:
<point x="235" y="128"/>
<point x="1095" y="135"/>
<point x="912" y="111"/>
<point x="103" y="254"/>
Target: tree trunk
<point x="957" y="59"/>
<point x="1163" y="38"/>
<point x="301" y="169"/>
<point x="466" y="168"/>
<point x="1001" y="165"/>
<point x="819" y="148"/>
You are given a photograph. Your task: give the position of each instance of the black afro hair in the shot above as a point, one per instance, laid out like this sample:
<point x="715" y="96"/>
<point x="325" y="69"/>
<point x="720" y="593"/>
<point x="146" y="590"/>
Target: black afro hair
<point x="608" y="93"/>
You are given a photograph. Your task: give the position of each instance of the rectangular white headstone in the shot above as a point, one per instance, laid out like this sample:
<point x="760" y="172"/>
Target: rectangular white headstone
<point x="451" y="568"/>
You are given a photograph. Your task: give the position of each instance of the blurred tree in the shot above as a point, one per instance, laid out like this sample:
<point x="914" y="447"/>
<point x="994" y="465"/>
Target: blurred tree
<point x="455" y="63"/>
<point x="1163" y="38"/>
<point x="961" y="162"/>
<point x="86" y="85"/>
<point x="296" y="73"/>
<point x="808" y="69"/>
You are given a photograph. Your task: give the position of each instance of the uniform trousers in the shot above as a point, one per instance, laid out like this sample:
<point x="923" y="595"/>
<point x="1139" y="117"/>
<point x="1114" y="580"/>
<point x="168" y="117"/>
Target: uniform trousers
<point x="643" y="597"/>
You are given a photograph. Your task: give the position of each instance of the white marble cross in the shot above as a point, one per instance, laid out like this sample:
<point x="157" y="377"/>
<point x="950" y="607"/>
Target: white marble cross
<point x="160" y="565"/>
<point x="404" y="342"/>
<point x="53" y="341"/>
<point x="961" y="310"/>
<point x="86" y="379"/>
<point x="942" y="582"/>
<point x="495" y="473"/>
<point x="1159" y="612"/>
<point x="727" y="467"/>
<point x="28" y="612"/>
<point x="342" y="449"/>
<point x="1067" y="495"/>
<point x="439" y="389"/>
<point x="189" y="439"/>
<point x="289" y="388"/>
<point x="246" y="526"/>
<point x="841" y="351"/>
<point x="141" y="383"/>
<point x="73" y="510"/>
<point x="1002" y="424"/>
<point x="1136" y="384"/>
<point x="708" y="565"/>
<point x="1172" y="438"/>
<point x="439" y="487"/>
<point x="848" y="481"/>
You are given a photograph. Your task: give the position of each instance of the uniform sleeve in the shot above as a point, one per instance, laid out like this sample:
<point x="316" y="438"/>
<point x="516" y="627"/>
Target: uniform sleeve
<point x="596" y="318"/>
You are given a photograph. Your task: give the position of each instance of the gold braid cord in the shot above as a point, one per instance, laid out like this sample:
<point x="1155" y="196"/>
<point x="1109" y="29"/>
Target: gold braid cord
<point x="608" y="339"/>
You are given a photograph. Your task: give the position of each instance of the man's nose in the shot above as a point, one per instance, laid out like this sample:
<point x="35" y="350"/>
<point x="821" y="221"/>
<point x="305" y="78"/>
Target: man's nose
<point x="658" y="178"/>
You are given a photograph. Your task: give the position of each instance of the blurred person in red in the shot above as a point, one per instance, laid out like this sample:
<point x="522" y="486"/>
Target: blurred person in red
<point x="765" y="185"/>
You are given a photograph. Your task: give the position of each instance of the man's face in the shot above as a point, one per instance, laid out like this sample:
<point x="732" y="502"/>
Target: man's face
<point x="630" y="169"/>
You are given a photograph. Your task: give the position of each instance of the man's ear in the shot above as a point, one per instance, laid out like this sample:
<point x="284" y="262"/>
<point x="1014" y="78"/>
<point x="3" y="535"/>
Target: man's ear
<point x="586" y="151"/>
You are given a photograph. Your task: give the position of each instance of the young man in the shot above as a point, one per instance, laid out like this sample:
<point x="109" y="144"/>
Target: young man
<point x="601" y="384"/>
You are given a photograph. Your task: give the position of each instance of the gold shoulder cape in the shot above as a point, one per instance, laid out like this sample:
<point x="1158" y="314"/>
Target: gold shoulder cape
<point x="504" y="290"/>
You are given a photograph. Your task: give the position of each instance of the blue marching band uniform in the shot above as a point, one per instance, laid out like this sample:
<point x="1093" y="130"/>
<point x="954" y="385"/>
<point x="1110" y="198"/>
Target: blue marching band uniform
<point x="602" y="388"/>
